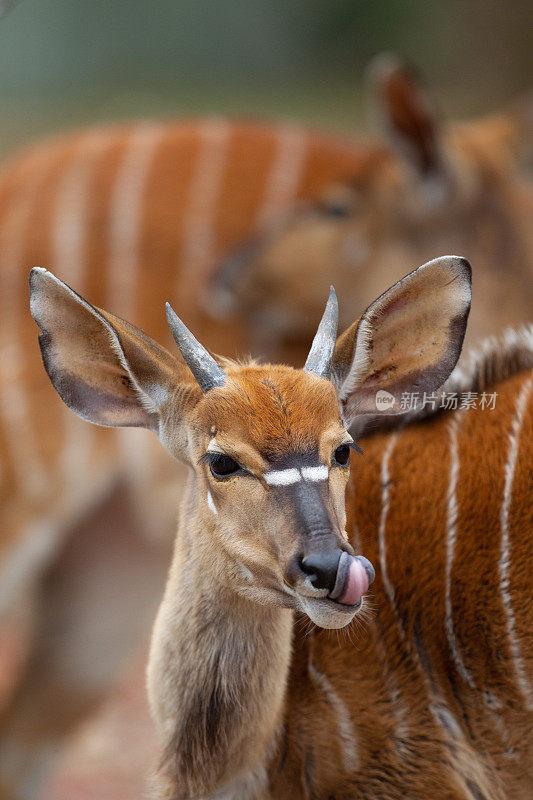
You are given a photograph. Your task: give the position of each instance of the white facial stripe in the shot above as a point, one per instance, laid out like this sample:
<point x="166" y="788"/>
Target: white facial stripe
<point x="282" y="477"/>
<point x="211" y="503"/>
<point x="286" y="477"/>
<point x="320" y="473"/>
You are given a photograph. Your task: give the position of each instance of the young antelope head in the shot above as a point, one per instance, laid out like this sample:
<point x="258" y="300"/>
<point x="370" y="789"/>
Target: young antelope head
<point x="269" y="446"/>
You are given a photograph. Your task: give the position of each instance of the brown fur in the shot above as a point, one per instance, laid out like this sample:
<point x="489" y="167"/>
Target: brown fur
<point x="420" y="729"/>
<point x="248" y="707"/>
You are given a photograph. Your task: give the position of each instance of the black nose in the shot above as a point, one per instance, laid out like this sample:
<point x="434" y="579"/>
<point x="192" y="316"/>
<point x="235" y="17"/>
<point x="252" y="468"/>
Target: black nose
<point x="322" y="569"/>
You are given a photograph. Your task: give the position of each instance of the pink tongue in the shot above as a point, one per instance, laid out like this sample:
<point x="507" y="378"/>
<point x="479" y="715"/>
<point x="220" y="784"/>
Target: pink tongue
<point x="356" y="584"/>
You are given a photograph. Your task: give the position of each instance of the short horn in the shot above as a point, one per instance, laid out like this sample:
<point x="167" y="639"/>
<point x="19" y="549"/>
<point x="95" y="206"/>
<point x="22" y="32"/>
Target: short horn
<point x="202" y="365"/>
<point x="321" y="354"/>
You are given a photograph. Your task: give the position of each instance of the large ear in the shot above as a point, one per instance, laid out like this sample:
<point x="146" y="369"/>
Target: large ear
<point x="104" y="369"/>
<point x="407" y="341"/>
<point x="407" y="114"/>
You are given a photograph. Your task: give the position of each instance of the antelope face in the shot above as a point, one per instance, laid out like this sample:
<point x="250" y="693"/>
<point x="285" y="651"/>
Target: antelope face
<point x="430" y="192"/>
<point x="360" y="237"/>
<point x="348" y="237"/>
<point x="272" y="458"/>
<point x="269" y="445"/>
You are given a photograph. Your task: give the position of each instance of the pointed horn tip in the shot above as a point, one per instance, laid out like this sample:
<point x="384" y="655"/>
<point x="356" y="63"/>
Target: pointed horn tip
<point x="203" y="366"/>
<point x="332" y="303"/>
<point x="320" y="355"/>
<point x="172" y="317"/>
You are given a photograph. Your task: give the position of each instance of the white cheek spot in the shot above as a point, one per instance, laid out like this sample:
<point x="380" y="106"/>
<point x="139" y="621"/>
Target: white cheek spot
<point x="315" y="474"/>
<point x="211" y="503"/>
<point x="245" y="572"/>
<point x="282" y="477"/>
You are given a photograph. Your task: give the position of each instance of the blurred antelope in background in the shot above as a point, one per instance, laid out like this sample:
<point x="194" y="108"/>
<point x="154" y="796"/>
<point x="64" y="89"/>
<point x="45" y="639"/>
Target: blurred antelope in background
<point x="440" y="700"/>
<point x="130" y="215"/>
<point x="133" y="214"/>
<point x="461" y="188"/>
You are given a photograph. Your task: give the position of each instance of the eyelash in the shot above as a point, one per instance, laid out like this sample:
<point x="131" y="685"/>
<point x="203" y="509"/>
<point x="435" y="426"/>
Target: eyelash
<point x="355" y="447"/>
<point x="340" y="462"/>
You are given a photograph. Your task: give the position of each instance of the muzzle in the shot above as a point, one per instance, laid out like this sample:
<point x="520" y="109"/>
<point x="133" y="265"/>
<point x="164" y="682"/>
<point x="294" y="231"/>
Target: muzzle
<point x="346" y="577"/>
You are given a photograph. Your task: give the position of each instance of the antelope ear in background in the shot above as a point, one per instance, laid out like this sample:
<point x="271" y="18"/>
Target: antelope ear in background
<point x="407" y="114"/>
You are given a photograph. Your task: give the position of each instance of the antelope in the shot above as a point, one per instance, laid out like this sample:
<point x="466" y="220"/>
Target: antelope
<point x="127" y="213"/>
<point x="464" y="188"/>
<point x="124" y="212"/>
<point x="246" y="706"/>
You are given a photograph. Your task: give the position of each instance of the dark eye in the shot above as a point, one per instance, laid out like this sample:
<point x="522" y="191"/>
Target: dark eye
<point x="342" y="455"/>
<point x="338" y="210"/>
<point x="338" y="201"/>
<point x="223" y="466"/>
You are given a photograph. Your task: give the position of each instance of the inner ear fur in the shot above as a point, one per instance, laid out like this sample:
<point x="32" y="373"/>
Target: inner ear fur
<point x="408" y="340"/>
<point x="103" y="368"/>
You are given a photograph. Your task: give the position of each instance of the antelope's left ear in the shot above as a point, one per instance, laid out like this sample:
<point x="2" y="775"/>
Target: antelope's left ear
<point x="408" y="340"/>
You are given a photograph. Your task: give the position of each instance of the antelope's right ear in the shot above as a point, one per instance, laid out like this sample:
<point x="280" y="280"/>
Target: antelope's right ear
<point x="103" y="368"/>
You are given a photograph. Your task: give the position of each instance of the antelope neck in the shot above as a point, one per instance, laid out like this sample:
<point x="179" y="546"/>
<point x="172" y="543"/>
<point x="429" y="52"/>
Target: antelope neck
<point x="210" y="647"/>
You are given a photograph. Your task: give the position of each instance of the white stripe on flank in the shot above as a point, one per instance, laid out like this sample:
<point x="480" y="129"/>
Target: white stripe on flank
<point x="438" y="703"/>
<point x="69" y="224"/>
<point x="385" y="505"/>
<point x="315" y="474"/>
<point x="29" y="178"/>
<point x="451" y="536"/>
<point x="69" y="258"/>
<point x="199" y="245"/>
<point x="14" y="402"/>
<point x="126" y="218"/>
<point x="282" y="477"/>
<point x="440" y="711"/>
<point x="505" y="546"/>
<point x="347" y="737"/>
<point x="285" y="172"/>
<point x="125" y="223"/>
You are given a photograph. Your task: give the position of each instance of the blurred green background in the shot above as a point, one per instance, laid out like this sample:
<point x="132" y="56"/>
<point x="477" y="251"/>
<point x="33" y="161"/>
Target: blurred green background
<point x="64" y="63"/>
